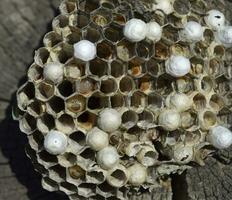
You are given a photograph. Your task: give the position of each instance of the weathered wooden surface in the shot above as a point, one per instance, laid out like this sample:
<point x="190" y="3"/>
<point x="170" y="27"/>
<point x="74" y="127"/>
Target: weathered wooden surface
<point x="22" y="26"/>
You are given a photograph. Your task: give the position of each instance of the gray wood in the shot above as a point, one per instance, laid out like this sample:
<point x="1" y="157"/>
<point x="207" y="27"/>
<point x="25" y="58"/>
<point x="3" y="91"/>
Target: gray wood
<point x="22" y="26"/>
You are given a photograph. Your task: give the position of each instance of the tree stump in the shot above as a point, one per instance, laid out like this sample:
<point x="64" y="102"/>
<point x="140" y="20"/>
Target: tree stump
<point x="22" y="26"/>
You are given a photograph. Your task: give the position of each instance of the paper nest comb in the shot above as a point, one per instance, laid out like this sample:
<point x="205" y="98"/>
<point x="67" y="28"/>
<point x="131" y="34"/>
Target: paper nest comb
<point x="128" y="79"/>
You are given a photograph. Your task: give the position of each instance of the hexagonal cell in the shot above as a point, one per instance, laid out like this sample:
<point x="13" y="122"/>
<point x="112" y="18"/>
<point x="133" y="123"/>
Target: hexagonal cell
<point x="79" y="138"/>
<point x="170" y="33"/>
<point x="96" y="176"/>
<point x="62" y="52"/>
<point x="87" y="120"/>
<point x="126" y="84"/>
<point x="61" y="21"/>
<point x="41" y="56"/>
<point x="129" y="119"/>
<point x="57" y="173"/>
<point x="145" y="49"/>
<point x="108" y="86"/>
<point x="117" y="101"/>
<point x="199" y="7"/>
<point x="146" y="119"/>
<point x="161" y="50"/>
<point x="119" y="19"/>
<point x="181" y="48"/>
<point x="87" y="190"/>
<point x="68" y="6"/>
<point x="66" y="88"/>
<point x="197" y="65"/>
<point x="97" y="197"/>
<point x="182" y="7"/>
<point x="160" y="17"/>
<point x="113" y="33"/>
<point x="51" y="39"/>
<point x="105" y="50"/>
<point x="145" y="84"/>
<point x="35" y="108"/>
<point x="125" y="50"/>
<point x="74" y="69"/>
<point x="92" y="34"/>
<point x="155" y="101"/>
<point x="82" y="20"/>
<point x="208" y="35"/>
<point x="75" y="104"/>
<point x="219" y="51"/>
<point x="164" y="84"/>
<point x="215" y="67"/>
<point x="110" y="4"/>
<point x="27" y="124"/>
<point x="47" y="159"/>
<point x="49" y="184"/>
<point x="88" y="154"/>
<point x="189" y="119"/>
<point x="25" y="94"/>
<point x="68" y="188"/>
<point x="35" y="73"/>
<point x="139" y="100"/>
<point x="155" y="68"/>
<point x="44" y="91"/>
<point x="98" y="101"/>
<point x="89" y="6"/>
<point x="86" y="86"/>
<point x="176" y="21"/>
<point x="117" y="68"/>
<point x="98" y="67"/>
<point x="74" y="36"/>
<point x="199" y="101"/>
<point x="65" y="123"/>
<point x="76" y="172"/>
<point x="67" y="159"/>
<point x="106" y="190"/>
<point x="136" y="67"/>
<point x="55" y="105"/>
<point x="36" y="141"/>
<point x="184" y="84"/>
<point x="216" y="102"/>
<point x="206" y="84"/>
<point x="101" y="17"/>
<point x="45" y="123"/>
<point x="209" y="119"/>
<point x="200" y="49"/>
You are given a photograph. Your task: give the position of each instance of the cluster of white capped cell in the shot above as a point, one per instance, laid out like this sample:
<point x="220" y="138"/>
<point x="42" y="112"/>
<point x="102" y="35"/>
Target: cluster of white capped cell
<point x="115" y="98"/>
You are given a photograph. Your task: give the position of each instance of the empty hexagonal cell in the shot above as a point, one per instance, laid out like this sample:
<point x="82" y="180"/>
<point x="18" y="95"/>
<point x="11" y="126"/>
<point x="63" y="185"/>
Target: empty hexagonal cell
<point x="62" y="52"/>
<point x="76" y="172"/>
<point x="44" y="91"/>
<point x="184" y="84"/>
<point x="200" y="49"/>
<point x="74" y="69"/>
<point x="49" y="184"/>
<point x="105" y="50"/>
<point x="145" y="49"/>
<point x="101" y="17"/>
<point x="27" y="124"/>
<point x="68" y="188"/>
<point x="108" y="86"/>
<point x="199" y="7"/>
<point x="67" y="159"/>
<point x="25" y="94"/>
<point x="51" y="39"/>
<point x="126" y="84"/>
<point x="189" y="119"/>
<point x="170" y="33"/>
<point x="113" y="33"/>
<point x="87" y="120"/>
<point x="57" y="173"/>
<point x="182" y="7"/>
<point x="117" y="68"/>
<point x="136" y="67"/>
<point x="36" y="108"/>
<point x="98" y="101"/>
<point x="86" y="86"/>
<point x="78" y="137"/>
<point x="82" y="20"/>
<point x="36" y="140"/>
<point x="206" y="84"/>
<point x="87" y="190"/>
<point x="65" y="123"/>
<point x="175" y="20"/>
<point x="197" y="65"/>
<point x="125" y="50"/>
<point x="98" y="67"/>
<point x="66" y="88"/>
<point x="219" y="51"/>
<point x="146" y="119"/>
<point x="155" y="68"/>
<point x="164" y="84"/>
<point x="89" y="6"/>
<point x="42" y="56"/>
<point x="96" y="176"/>
<point x="61" y="21"/>
<point x="129" y="119"/>
<point x="161" y="50"/>
<point x="68" y="6"/>
<point x="88" y="154"/>
<point x="155" y="101"/>
<point x="55" y="105"/>
<point x="74" y="36"/>
<point x="117" y="101"/>
<point x="47" y="159"/>
<point x="45" y="123"/>
<point x="75" y="103"/>
<point x="215" y="67"/>
<point x="199" y="101"/>
<point x="216" y="102"/>
<point x="180" y="48"/>
<point x="207" y="119"/>
<point x="35" y="73"/>
<point x="145" y="84"/>
<point x="106" y="190"/>
<point x="139" y="100"/>
<point x="92" y="34"/>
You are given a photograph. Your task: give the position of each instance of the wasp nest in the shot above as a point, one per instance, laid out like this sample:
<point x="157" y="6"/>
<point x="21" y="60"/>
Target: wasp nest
<point x="126" y="92"/>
